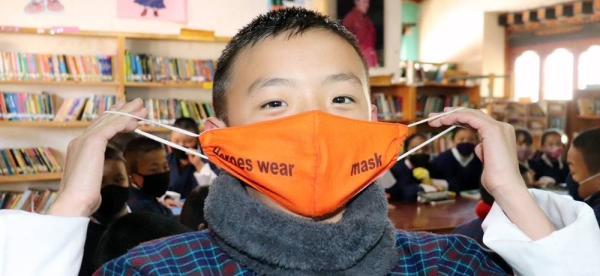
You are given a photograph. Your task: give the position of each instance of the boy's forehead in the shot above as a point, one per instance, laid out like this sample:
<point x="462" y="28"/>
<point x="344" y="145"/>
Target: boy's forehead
<point x="312" y="48"/>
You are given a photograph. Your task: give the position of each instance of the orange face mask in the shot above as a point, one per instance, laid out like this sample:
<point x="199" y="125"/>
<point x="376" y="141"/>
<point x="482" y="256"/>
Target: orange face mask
<point x="311" y="163"/>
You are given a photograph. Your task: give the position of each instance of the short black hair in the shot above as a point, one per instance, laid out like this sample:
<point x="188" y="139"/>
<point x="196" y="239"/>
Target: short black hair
<point x="587" y="143"/>
<point x="528" y="137"/>
<point x="111" y="153"/>
<point x="192" y="213"/>
<point x="131" y="230"/>
<point x="459" y="129"/>
<point x="551" y="131"/>
<point x="188" y="124"/>
<point x="290" y="21"/>
<point x="137" y="147"/>
<point x="411" y="137"/>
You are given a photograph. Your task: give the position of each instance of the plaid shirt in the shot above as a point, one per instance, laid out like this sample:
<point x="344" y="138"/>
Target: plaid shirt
<point x="195" y="253"/>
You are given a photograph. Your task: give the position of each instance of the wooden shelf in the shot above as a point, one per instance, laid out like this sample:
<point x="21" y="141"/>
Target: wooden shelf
<point x="202" y="85"/>
<point x="44" y="124"/>
<point x="88" y="83"/>
<point x="153" y="129"/>
<point x="589" y="117"/>
<point x="101" y="34"/>
<point x="30" y="177"/>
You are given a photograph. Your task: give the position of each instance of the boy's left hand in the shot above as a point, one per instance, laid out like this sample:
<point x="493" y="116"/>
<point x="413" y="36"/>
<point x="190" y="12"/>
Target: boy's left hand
<point x="196" y="161"/>
<point x="79" y="192"/>
<point x="501" y="176"/>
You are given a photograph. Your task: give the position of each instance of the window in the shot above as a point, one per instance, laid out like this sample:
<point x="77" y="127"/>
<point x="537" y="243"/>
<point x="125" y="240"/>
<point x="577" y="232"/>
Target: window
<point x="589" y="66"/>
<point x="558" y="75"/>
<point x="527" y="76"/>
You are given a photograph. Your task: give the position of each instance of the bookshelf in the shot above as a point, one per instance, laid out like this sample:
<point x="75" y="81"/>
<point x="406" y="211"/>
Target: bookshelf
<point x="583" y="112"/>
<point x="410" y="95"/>
<point x="57" y="135"/>
<point x="30" y="177"/>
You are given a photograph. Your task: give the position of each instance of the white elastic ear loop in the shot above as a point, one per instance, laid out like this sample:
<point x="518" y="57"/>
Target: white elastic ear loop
<point x="426" y="142"/>
<point x="182" y="131"/>
<point x="161" y="140"/>
<point x="436" y="116"/>
<point x="589" y="178"/>
<point x="432" y="138"/>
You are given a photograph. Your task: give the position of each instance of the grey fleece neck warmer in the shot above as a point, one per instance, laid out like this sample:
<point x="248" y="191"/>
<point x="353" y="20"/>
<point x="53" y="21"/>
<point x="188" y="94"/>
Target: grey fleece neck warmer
<point x="270" y="242"/>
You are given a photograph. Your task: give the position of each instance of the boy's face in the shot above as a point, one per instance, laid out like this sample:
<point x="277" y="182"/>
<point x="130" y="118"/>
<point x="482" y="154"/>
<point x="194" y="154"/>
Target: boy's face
<point x="115" y="173"/>
<point x="280" y="76"/>
<point x="551" y="141"/>
<point x="465" y="135"/>
<point x="418" y="140"/>
<point x="577" y="166"/>
<point x="184" y="140"/>
<point x="151" y="162"/>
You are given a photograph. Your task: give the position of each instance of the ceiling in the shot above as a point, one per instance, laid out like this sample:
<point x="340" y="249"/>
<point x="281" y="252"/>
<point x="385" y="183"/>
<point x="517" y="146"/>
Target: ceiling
<point x="518" y="5"/>
<point x="506" y="5"/>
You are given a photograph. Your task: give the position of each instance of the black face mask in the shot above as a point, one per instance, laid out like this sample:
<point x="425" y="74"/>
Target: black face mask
<point x="156" y="184"/>
<point x="179" y="154"/>
<point x="113" y="199"/>
<point x="419" y="160"/>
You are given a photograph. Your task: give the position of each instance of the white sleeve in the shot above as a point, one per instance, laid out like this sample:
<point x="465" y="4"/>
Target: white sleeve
<point x="573" y="249"/>
<point x="205" y="176"/>
<point x="34" y="244"/>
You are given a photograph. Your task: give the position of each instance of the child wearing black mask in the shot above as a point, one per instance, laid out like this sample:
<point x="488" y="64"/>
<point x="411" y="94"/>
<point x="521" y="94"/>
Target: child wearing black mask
<point x="549" y="168"/>
<point x="459" y="166"/>
<point x="187" y="171"/>
<point x="115" y="192"/>
<point x="412" y="172"/>
<point x="149" y="175"/>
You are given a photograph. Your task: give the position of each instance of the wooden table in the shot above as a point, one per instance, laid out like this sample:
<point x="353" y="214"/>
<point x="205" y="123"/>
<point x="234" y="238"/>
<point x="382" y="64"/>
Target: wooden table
<point x="440" y="218"/>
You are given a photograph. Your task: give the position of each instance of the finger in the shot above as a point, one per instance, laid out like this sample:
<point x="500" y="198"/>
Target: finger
<point x="479" y="152"/>
<point x="470" y="117"/>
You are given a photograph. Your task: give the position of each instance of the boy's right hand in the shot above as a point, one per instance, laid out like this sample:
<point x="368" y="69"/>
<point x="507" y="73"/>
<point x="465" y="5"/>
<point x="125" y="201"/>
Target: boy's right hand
<point x="79" y="192"/>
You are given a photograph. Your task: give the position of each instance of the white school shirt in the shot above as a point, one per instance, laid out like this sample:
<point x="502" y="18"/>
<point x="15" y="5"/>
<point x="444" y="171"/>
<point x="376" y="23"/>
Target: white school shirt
<point x="33" y="244"/>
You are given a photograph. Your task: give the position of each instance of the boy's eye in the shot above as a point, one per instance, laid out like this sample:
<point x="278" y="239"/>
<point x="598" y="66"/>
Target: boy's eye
<point x="273" y="104"/>
<point x="342" y="100"/>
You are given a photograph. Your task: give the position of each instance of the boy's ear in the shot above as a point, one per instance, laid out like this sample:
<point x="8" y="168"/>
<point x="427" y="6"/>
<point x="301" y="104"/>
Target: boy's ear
<point x="213" y="123"/>
<point x="373" y="113"/>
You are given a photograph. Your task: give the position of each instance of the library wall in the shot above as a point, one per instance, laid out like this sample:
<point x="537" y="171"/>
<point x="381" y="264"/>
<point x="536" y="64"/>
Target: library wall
<point x="452" y="31"/>
<point x="225" y="17"/>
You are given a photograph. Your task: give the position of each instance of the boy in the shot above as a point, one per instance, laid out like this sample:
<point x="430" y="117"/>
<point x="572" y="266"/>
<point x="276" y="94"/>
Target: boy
<point x="291" y="62"/>
<point x="133" y="229"/>
<point x="149" y="175"/>
<point x="583" y="159"/>
<point x="549" y="168"/>
<point x="285" y="63"/>
<point x="192" y="213"/>
<point x="187" y="171"/>
<point x="459" y="165"/>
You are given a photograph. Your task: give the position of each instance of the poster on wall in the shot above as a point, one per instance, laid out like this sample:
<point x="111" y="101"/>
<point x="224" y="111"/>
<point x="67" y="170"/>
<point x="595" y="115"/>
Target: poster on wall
<point x="280" y="4"/>
<point x="364" y="18"/>
<point x="43" y="6"/>
<point x="166" y="10"/>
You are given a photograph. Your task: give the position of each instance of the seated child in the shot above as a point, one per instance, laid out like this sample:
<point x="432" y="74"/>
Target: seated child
<point x="187" y="171"/>
<point x="133" y="229"/>
<point x="192" y="213"/>
<point x="583" y="159"/>
<point x="459" y="166"/>
<point x="524" y="146"/>
<point x="548" y="168"/>
<point x="114" y="191"/>
<point x="411" y="172"/>
<point x="149" y="175"/>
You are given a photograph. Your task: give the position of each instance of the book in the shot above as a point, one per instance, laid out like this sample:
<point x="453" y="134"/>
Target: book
<point x="30" y="200"/>
<point x="150" y="68"/>
<point x="28" y="161"/>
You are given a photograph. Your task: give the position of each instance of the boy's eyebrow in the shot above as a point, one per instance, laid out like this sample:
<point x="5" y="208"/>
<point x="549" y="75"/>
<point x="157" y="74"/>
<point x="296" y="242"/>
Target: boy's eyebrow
<point x="342" y="77"/>
<point x="261" y="83"/>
